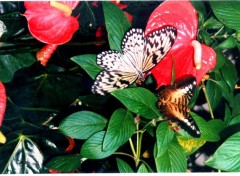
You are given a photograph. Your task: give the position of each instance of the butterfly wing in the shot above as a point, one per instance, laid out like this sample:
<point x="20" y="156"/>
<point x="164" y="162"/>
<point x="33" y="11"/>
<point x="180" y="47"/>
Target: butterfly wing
<point x="133" y="47"/>
<point x="120" y="69"/>
<point x="158" y="43"/>
<point x="108" y="81"/>
<point x="173" y="103"/>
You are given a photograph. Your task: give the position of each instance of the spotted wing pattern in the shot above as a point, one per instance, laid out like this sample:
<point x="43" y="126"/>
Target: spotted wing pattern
<point x="173" y="104"/>
<point x="139" y="55"/>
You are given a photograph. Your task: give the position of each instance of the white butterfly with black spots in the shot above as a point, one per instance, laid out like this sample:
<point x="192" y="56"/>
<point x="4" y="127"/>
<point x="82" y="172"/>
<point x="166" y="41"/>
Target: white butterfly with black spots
<point x="139" y="55"/>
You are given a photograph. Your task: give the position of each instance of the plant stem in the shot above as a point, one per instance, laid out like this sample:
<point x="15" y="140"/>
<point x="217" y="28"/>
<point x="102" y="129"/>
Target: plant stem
<point x="132" y="147"/>
<point x="207" y="99"/>
<point x="32" y="109"/>
<point x="140" y="146"/>
<point x="137" y="147"/>
<point x="121" y="153"/>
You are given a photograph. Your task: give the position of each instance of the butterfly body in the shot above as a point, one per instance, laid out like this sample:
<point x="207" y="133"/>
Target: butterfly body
<point x="173" y="104"/>
<point x="139" y="55"/>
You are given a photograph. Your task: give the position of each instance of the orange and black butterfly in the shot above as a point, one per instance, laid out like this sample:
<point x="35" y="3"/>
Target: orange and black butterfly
<point x="173" y="103"/>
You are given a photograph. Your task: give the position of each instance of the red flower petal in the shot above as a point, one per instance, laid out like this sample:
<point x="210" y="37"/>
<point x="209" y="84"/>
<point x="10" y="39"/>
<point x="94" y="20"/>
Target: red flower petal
<point x="183" y="16"/>
<point x="49" y="24"/>
<point x="3" y="99"/>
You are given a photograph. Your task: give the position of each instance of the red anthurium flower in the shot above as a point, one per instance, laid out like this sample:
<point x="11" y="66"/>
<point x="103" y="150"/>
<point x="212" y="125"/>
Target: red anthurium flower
<point x="3" y="99"/>
<point x="188" y="55"/>
<point x="51" y="22"/>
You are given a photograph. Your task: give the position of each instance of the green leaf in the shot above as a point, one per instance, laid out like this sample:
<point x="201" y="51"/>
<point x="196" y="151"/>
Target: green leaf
<point x="212" y="23"/>
<point x="44" y="92"/>
<point x="65" y="163"/>
<point x="173" y="160"/>
<point x="214" y="94"/>
<point x="227" y="114"/>
<point x="164" y="138"/>
<point x="94" y="101"/>
<point x="201" y="9"/>
<point x="123" y="167"/>
<point x="228" y="43"/>
<point x="229" y="73"/>
<point x="92" y="148"/>
<point x="225" y="91"/>
<point x="26" y="157"/>
<point x="82" y="124"/>
<point x="142" y="169"/>
<point x="116" y="24"/>
<point x="228" y="12"/>
<point x="227" y="156"/>
<point x="209" y="129"/>
<point x="10" y="63"/>
<point x="139" y="100"/>
<point x="220" y="59"/>
<point x="235" y="120"/>
<point x="88" y="63"/>
<point x="205" y="37"/>
<point x="120" y="128"/>
<point x="236" y="107"/>
<point x="190" y="145"/>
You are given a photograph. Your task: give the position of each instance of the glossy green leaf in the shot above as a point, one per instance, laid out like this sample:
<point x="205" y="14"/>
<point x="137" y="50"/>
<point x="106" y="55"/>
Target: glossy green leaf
<point x="229" y="73"/>
<point x="65" y="163"/>
<point x="10" y="63"/>
<point x="120" y="128"/>
<point x="116" y="23"/>
<point x="139" y="100"/>
<point x="93" y="147"/>
<point x="164" y="137"/>
<point x="142" y="169"/>
<point x="227" y="156"/>
<point x="173" y="160"/>
<point x="228" y="12"/>
<point x="88" y="63"/>
<point x="123" y="167"/>
<point x="82" y="124"/>
<point x="25" y="159"/>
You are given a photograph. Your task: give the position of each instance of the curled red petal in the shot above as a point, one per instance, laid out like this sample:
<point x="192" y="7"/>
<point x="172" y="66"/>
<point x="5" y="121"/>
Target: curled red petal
<point x="71" y="144"/>
<point x="49" y="24"/>
<point x="3" y="99"/>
